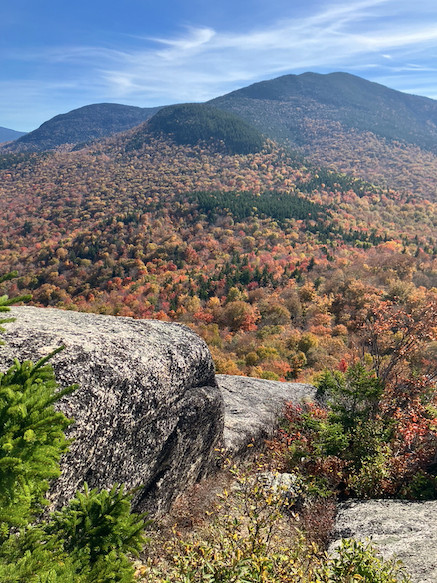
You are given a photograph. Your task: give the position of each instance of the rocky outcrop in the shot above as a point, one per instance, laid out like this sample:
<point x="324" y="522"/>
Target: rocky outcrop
<point x="252" y="408"/>
<point x="148" y="412"/>
<point x="407" y="530"/>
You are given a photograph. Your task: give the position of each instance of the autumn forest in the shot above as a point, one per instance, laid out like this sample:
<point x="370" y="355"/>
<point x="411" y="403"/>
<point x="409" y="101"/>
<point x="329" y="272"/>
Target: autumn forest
<point x="314" y="263"/>
<point x="273" y="261"/>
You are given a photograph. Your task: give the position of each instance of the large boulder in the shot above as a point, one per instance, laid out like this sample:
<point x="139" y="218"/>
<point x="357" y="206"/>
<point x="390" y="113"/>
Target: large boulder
<point x="148" y="412"/>
<point x="253" y="407"/>
<point x="406" y="530"/>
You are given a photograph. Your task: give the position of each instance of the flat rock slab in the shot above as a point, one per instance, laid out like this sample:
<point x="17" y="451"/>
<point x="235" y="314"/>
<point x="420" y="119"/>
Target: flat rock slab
<point x="148" y="412"/>
<point x="405" y="529"/>
<point x="253" y="407"/>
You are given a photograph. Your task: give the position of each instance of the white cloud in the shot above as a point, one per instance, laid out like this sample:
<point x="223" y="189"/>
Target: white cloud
<point x="195" y="39"/>
<point x="202" y="62"/>
<point x="385" y="37"/>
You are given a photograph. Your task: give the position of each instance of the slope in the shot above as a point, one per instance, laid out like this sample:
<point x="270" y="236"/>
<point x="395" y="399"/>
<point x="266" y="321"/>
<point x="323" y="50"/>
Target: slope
<point x="195" y="123"/>
<point x="272" y="262"/>
<point x="346" y="121"/>
<point x="7" y="135"/>
<point x="82" y="125"/>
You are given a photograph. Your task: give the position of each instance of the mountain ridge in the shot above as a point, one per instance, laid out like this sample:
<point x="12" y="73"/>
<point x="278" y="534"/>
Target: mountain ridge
<point x="7" y="134"/>
<point x="356" y="126"/>
<point x="337" y="120"/>
<point x="338" y="90"/>
<point x="348" y="99"/>
<point x="82" y="125"/>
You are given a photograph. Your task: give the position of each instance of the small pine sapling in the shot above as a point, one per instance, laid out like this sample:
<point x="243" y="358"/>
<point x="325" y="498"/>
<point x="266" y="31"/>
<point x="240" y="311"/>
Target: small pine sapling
<point x="85" y="542"/>
<point x="32" y="439"/>
<point x="97" y="525"/>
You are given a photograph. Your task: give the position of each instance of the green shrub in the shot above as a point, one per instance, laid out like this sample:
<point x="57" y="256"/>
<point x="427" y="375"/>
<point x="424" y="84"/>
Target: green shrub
<point x="369" y="480"/>
<point x="32" y="439"/>
<point x="5" y="301"/>
<point x="352" y="396"/>
<point x="421" y="486"/>
<point x="32" y="558"/>
<point x="88" y="541"/>
<point x="345" y="447"/>
<point x="96" y="523"/>
<point x="357" y="561"/>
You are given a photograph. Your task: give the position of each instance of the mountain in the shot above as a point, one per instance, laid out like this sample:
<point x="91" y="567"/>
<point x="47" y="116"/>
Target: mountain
<point x="336" y="120"/>
<point x="336" y="97"/>
<point x="192" y="123"/>
<point x="352" y="124"/>
<point x="82" y="125"/>
<point x="274" y="262"/>
<point x="7" y="135"/>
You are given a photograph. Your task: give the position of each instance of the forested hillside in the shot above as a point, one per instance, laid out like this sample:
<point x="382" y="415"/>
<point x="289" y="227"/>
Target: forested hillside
<point x="273" y="262"/>
<point x="337" y="120"/>
<point x="351" y="124"/>
<point x="82" y="125"/>
<point x="192" y="123"/>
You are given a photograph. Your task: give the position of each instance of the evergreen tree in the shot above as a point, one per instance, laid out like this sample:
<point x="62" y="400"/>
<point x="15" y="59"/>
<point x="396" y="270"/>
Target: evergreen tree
<point x="32" y="439"/>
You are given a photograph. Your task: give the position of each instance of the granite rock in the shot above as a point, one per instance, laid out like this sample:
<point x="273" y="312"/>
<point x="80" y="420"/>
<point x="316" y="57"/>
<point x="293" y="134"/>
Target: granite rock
<point x="406" y="530"/>
<point x="147" y="412"/>
<point x="253" y="407"/>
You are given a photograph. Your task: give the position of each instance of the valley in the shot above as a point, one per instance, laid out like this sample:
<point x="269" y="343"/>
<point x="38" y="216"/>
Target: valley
<point x="272" y="260"/>
<point x="293" y="226"/>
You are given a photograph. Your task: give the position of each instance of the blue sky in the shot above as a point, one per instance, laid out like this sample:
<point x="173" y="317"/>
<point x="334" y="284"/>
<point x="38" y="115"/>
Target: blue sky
<point x="57" y="56"/>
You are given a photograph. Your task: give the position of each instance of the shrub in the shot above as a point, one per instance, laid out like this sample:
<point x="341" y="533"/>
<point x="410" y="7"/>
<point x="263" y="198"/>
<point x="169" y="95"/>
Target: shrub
<point x="5" y="301"/>
<point x="357" y="561"/>
<point x="32" y="439"/>
<point x="249" y="539"/>
<point x="344" y="448"/>
<point x="352" y="396"/>
<point x="253" y="537"/>
<point x="86" y="542"/>
<point x="97" y="523"/>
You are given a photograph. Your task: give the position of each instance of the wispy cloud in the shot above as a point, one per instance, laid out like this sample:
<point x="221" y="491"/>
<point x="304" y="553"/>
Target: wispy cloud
<point x="201" y="62"/>
<point x="197" y="38"/>
<point x="385" y="37"/>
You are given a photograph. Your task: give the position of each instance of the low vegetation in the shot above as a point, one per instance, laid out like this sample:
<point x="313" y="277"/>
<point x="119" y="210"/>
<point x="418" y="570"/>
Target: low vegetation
<point x="253" y="534"/>
<point x="377" y="437"/>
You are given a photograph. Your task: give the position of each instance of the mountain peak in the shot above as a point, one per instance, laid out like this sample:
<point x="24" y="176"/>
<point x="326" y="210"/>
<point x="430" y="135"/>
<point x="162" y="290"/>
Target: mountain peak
<point x="286" y="104"/>
<point x="85" y="124"/>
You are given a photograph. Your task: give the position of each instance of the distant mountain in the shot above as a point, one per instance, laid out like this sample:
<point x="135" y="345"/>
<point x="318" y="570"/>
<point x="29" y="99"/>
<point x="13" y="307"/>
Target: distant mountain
<point x="192" y="123"/>
<point x="83" y="125"/>
<point x="336" y="97"/>
<point x="337" y="120"/>
<point x="347" y="122"/>
<point x="7" y="135"/>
